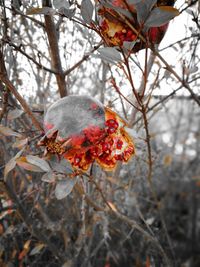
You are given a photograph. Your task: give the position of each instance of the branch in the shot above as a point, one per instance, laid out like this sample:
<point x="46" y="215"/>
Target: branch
<point x="85" y="57"/>
<point x="12" y="89"/>
<point x="142" y="86"/>
<point x="30" y="224"/>
<point x="24" y="15"/>
<point x="184" y="83"/>
<point x="18" y="48"/>
<point x="54" y="52"/>
<point x="117" y="214"/>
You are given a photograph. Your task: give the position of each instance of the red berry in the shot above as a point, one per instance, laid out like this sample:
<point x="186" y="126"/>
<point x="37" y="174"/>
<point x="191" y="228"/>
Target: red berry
<point x="112" y="123"/>
<point x="105" y="147"/>
<point x="119" y="157"/>
<point x="77" y="159"/>
<point x="111" y="130"/>
<point x="119" y="144"/>
<point x="129" y="33"/>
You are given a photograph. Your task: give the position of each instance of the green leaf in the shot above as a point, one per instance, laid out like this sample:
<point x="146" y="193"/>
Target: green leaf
<point x="160" y="16"/>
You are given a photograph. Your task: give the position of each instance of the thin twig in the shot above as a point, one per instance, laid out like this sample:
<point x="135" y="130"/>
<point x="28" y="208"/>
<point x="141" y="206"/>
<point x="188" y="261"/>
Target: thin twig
<point x="85" y="57"/>
<point x="13" y="90"/>
<point x="18" y="48"/>
<point x="184" y="83"/>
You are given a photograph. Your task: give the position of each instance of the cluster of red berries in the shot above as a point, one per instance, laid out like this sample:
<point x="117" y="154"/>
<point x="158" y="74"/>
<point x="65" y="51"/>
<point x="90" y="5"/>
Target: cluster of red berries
<point x="114" y="30"/>
<point x="100" y="135"/>
<point x="124" y="34"/>
<point x="107" y="151"/>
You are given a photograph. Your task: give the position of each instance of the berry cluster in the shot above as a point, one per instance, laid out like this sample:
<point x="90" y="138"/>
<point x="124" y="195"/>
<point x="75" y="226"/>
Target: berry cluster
<point x="104" y="141"/>
<point x="114" y="30"/>
<point x="116" y="35"/>
<point x="115" y="146"/>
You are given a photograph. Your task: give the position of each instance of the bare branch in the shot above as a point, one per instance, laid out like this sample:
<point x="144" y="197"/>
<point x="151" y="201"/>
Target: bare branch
<point x="55" y="55"/>
<point x="10" y="86"/>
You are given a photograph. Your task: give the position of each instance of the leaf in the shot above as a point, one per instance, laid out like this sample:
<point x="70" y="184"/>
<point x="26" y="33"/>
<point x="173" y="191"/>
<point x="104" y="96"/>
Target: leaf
<point x="67" y="12"/>
<point x="9" y="167"/>
<point x="110" y="54"/>
<point x="118" y="9"/>
<point x="36" y="249"/>
<point x="67" y="264"/>
<point x="149" y="4"/>
<point x="128" y="46"/>
<point x="167" y="160"/>
<point x="132" y="2"/>
<point x="60" y="3"/>
<point x="87" y="10"/>
<point x="193" y="70"/>
<point x="22" y="162"/>
<point x="150" y="220"/>
<point x="12" y="163"/>
<point x="63" y="166"/>
<point x="8" y="132"/>
<point x="64" y="188"/>
<point x="15" y="113"/>
<point x="49" y="177"/>
<point x="39" y="162"/>
<point x="143" y="9"/>
<point x="160" y="16"/>
<point x="112" y="206"/>
<point x="25" y="250"/>
<point x="41" y="11"/>
<point x="20" y="143"/>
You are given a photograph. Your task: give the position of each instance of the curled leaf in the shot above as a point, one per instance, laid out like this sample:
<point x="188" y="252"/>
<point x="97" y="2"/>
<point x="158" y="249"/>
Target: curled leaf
<point x="9" y="167"/>
<point x="12" y="163"/>
<point x="22" y="162"/>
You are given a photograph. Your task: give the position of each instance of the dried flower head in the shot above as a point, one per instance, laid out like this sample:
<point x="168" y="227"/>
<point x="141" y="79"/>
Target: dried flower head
<point x="81" y="130"/>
